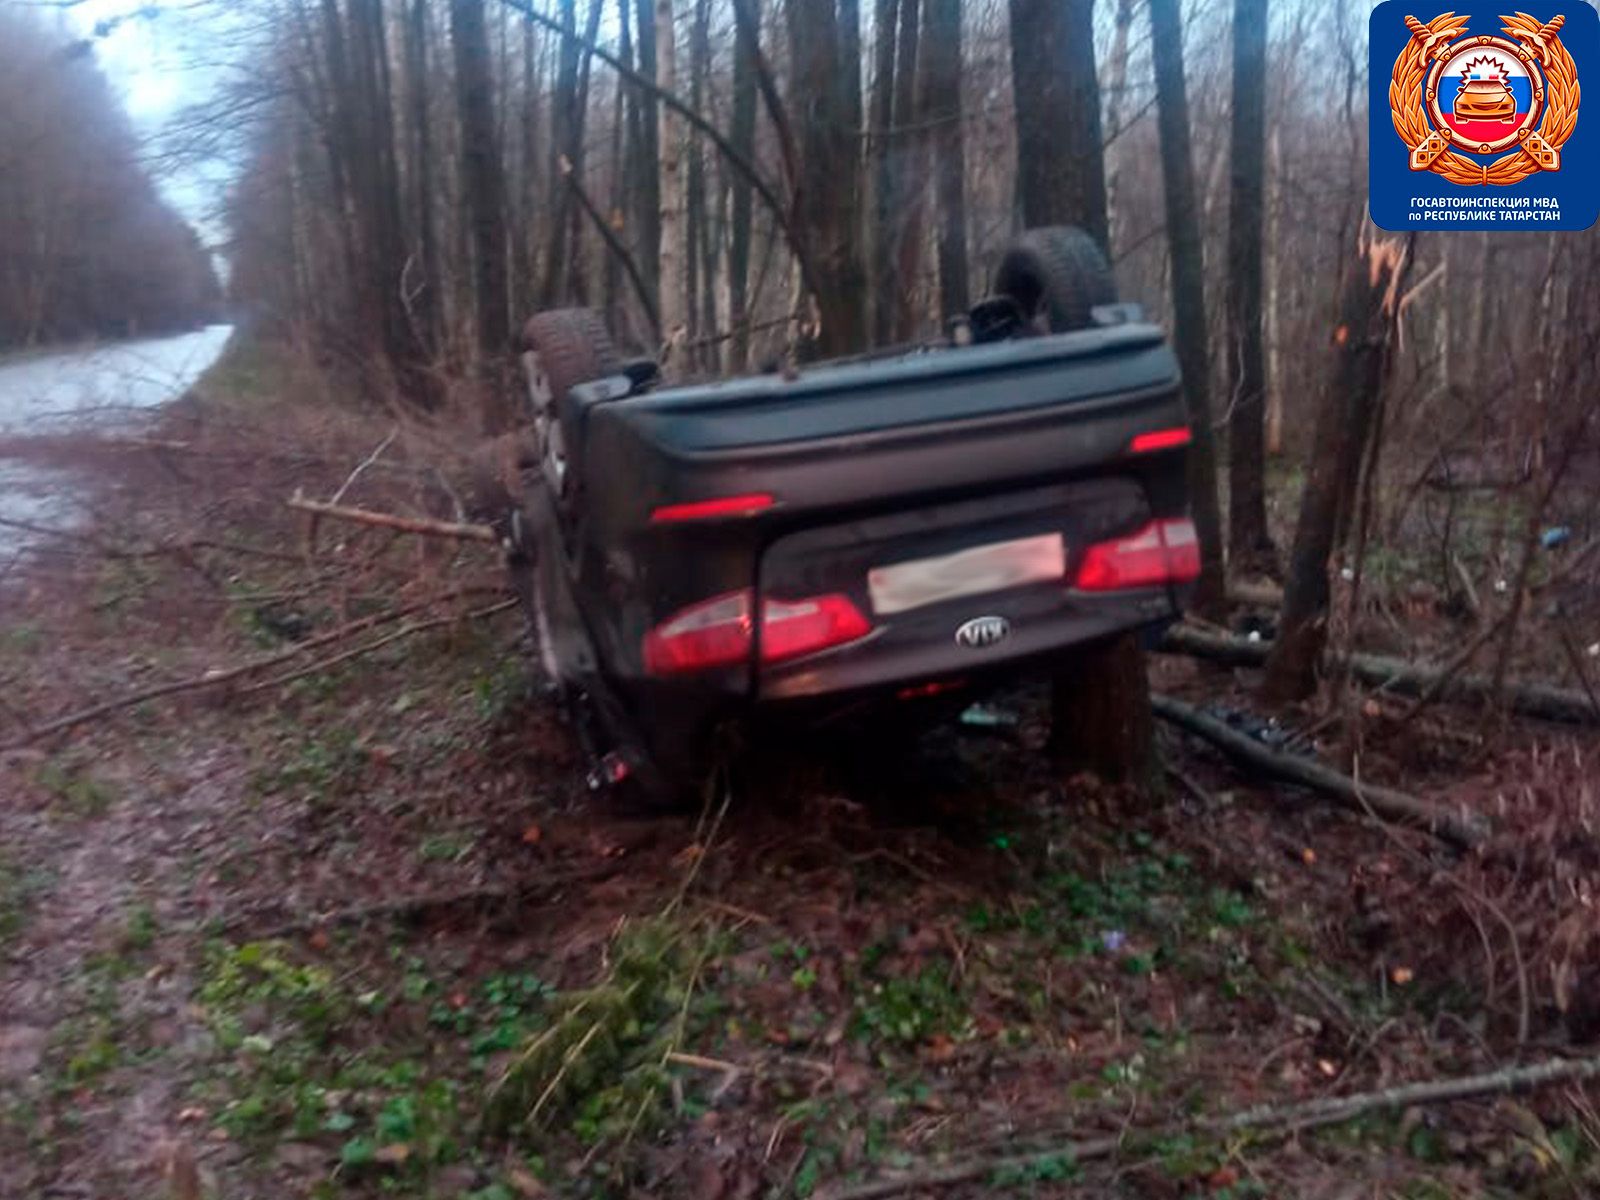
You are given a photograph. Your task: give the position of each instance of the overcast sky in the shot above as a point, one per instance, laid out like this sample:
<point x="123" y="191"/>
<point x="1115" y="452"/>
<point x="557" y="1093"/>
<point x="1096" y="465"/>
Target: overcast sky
<point x="164" y="56"/>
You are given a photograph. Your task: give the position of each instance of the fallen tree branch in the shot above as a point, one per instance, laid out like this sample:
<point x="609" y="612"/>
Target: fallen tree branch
<point x="1458" y="829"/>
<point x="1271" y="1119"/>
<point x="411" y="630"/>
<point x="618" y="249"/>
<point x="426" y="526"/>
<point x="217" y="678"/>
<point x="1397" y="675"/>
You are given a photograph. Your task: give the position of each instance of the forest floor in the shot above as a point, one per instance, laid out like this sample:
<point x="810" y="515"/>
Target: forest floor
<point x="287" y="940"/>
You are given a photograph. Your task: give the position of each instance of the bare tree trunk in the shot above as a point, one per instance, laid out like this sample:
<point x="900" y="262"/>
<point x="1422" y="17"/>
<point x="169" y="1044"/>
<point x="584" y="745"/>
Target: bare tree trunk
<point x="622" y="176"/>
<point x="1363" y="345"/>
<point x="524" y="288"/>
<point x="696" y="212"/>
<point x="743" y="135"/>
<point x="564" y="135"/>
<point x="425" y="294"/>
<point x="674" y="237"/>
<point x="908" y="182"/>
<point x="828" y="200"/>
<point x="1250" y="545"/>
<point x="943" y="111"/>
<point x="1061" y="177"/>
<point x="885" y="14"/>
<point x="646" y="157"/>
<point x="1100" y="714"/>
<point x="1272" y="322"/>
<point x="1116" y="101"/>
<point x="482" y="177"/>
<point x="577" y="286"/>
<point x="1188" y="296"/>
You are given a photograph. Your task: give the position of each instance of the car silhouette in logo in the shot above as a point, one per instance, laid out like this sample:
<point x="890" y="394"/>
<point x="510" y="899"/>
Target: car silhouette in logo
<point x="1485" y="93"/>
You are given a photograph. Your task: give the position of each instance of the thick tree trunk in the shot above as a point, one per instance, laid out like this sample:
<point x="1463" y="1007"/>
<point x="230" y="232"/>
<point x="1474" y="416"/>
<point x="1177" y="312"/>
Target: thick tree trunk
<point x="1363" y="341"/>
<point x="742" y="132"/>
<point x="828" y="200"/>
<point x="907" y="178"/>
<point x="425" y="291"/>
<point x="943" y="111"/>
<point x="1188" y="296"/>
<point x="1100" y="714"/>
<point x="1250" y="545"/>
<point x="885" y="14"/>
<point x="647" y="156"/>
<point x="482" y="177"/>
<point x="674" y="236"/>
<point x="1061" y="176"/>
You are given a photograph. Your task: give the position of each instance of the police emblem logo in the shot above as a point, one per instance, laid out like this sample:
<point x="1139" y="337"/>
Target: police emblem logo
<point x="1455" y="96"/>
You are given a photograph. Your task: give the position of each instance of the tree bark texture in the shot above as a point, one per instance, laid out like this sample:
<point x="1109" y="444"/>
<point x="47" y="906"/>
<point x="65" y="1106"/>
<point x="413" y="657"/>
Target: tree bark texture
<point x="828" y="196"/>
<point x="1363" y="341"/>
<point x="482" y="178"/>
<point x="943" y="113"/>
<point x="669" y="144"/>
<point x="1190" y="330"/>
<point x="1249" y="542"/>
<point x="1100" y="714"/>
<point x="1061" y="176"/>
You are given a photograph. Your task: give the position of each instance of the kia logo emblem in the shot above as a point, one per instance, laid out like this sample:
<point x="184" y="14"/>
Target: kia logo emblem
<point x="982" y="632"/>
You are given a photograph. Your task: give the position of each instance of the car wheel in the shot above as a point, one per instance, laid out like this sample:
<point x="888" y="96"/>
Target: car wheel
<point x="561" y="349"/>
<point x="1057" y="276"/>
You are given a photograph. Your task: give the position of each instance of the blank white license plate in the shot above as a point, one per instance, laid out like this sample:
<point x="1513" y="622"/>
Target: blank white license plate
<point x="974" y="572"/>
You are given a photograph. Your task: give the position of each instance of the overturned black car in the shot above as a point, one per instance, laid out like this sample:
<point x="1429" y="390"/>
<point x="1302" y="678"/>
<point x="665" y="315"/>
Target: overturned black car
<point x="884" y="537"/>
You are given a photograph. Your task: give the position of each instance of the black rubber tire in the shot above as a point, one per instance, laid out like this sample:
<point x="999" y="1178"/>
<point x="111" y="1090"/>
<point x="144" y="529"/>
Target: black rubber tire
<point x="1058" y="272"/>
<point x="573" y="346"/>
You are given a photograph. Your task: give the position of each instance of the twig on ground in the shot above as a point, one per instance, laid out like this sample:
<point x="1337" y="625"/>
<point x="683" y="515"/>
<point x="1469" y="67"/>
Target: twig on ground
<point x="1206" y="799"/>
<point x="362" y="466"/>
<point x="1524" y="1004"/>
<point x="217" y="678"/>
<point x="1459" y="829"/>
<point x="1268" y="1119"/>
<point x="426" y="526"/>
<point x="327" y="664"/>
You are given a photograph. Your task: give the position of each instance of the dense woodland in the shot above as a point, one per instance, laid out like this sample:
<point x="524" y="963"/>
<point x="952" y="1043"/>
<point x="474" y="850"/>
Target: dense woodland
<point x="88" y="248"/>
<point x="735" y="180"/>
<point x="303" y="890"/>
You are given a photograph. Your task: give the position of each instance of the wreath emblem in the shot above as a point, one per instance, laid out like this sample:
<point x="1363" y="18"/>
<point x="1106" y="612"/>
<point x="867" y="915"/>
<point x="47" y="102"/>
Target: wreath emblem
<point x="1454" y="95"/>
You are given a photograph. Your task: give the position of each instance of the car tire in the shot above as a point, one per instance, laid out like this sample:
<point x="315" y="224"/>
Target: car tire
<point x="1057" y="275"/>
<point x="572" y="346"/>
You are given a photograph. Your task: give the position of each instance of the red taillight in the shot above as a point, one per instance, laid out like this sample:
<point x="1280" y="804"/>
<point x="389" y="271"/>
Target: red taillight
<point x="1162" y="552"/>
<point x="720" y="632"/>
<point x="790" y="628"/>
<point x="705" y="510"/>
<point x="712" y="634"/>
<point x="1160" y="439"/>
